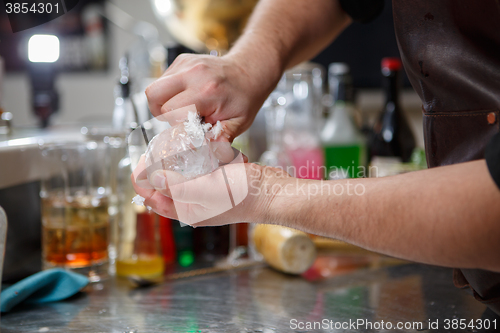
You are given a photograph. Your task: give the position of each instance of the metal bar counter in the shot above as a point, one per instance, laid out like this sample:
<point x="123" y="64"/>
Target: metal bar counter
<point x="257" y="299"/>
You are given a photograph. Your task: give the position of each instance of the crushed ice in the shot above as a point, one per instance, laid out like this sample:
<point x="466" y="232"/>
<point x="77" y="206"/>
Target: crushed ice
<point x="216" y="130"/>
<point x="138" y="200"/>
<point x="196" y="129"/>
<point x="183" y="148"/>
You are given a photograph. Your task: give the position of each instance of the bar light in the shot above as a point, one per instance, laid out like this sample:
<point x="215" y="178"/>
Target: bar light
<point x="43" y="48"/>
<point x="164" y="7"/>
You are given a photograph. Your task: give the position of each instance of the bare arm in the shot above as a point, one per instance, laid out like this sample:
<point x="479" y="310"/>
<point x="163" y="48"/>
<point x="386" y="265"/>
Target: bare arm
<point x="287" y="32"/>
<point x="448" y="216"/>
<point x="231" y="89"/>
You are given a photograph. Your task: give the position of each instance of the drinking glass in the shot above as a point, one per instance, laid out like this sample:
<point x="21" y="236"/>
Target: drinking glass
<point x="302" y="89"/>
<point x="76" y="205"/>
<point x="3" y="239"/>
<point x="275" y="112"/>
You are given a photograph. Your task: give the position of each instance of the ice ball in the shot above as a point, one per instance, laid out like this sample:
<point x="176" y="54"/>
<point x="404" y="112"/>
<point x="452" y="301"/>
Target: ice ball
<point x="183" y="148"/>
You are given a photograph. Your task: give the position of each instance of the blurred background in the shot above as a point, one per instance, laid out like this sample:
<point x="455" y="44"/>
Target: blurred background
<point x="81" y="77"/>
<point x="86" y="90"/>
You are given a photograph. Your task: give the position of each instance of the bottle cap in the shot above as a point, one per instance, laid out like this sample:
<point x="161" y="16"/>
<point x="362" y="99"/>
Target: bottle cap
<point x="392" y="64"/>
<point x="338" y="68"/>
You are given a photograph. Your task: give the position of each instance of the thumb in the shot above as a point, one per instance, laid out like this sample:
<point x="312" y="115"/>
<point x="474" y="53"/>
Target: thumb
<point x="161" y="180"/>
<point x="222" y="151"/>
<point x="231" y="128"/>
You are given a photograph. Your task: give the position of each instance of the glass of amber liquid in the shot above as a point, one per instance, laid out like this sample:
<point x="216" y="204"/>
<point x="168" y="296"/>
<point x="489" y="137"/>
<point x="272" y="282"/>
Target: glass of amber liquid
<point x="76" y="206"/>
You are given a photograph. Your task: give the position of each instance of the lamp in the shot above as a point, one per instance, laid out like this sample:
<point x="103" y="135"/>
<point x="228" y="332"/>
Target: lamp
<point x="43" y="53"/>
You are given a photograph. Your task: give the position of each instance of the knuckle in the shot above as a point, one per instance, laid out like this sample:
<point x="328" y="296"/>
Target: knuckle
<point x="165" y="108"/>
<point x="182" y="56"/>
<point x="200" y="67"/>
<point x="152" y="90"/>
<point x="212" y="87"/>
<point x="179" y="59"/>
<point x="148" y="92"/>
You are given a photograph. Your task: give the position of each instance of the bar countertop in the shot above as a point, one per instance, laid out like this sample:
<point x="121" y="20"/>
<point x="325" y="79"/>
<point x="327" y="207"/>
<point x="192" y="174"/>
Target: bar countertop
<point x="258" y="299"/>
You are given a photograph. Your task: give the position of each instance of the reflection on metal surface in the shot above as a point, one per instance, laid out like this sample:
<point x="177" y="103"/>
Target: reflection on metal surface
<point x="140" y="282"/>
<point x="20" y="155"/>
<point x="276" y="295"/>
<point x="204" y="25"/>
<point x="403" y="295"/>
<point x="253" y="300"/>
<point x="340" y="262"/>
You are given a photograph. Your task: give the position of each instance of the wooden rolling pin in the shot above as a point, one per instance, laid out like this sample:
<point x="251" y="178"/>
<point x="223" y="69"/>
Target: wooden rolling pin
<point x="285" y="249"/>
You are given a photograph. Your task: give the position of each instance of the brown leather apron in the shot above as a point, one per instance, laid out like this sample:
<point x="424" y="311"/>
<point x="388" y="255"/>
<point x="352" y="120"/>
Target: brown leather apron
<point x="451" y="53"/>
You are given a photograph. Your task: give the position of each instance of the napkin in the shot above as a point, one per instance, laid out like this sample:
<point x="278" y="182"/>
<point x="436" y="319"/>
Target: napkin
<point x="46" y="286"/>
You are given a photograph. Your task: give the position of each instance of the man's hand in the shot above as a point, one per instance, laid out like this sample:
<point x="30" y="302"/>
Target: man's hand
<point x="236" y="192"/>
<point x="221" y="88"/>
<point x="280" y="34"/>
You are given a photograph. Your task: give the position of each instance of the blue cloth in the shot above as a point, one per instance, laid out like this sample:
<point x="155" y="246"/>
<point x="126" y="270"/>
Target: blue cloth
<point x="45" y="286"/>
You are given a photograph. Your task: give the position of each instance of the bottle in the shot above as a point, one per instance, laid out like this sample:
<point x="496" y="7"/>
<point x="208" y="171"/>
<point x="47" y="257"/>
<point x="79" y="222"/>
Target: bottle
<point x="391" y="137"/>
<point x="287" y="250"/>
<point x="145" y="240"/>
<point x="3" y="240"/>
<point x="211" y="243"/>
<point x="341" y="88"/>
<point x="340" y="82"/>
<point x="275" y="112"/>
<point x="5" y="117"/>
<point x="238" y="232"/>
<point x="124" y="117"/>
<point x="343" y="144"/>
<point x="302" y="88"/>
<point x="184" y="247"/>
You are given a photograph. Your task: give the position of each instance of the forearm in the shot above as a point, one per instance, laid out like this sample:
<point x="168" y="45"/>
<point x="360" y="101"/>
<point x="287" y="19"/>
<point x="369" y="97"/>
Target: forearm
<point x="283" y="33"/>
<point x="446" y="216"/>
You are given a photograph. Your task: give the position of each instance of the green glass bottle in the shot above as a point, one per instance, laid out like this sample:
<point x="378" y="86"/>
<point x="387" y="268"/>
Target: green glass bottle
<point x="343" y="144"/>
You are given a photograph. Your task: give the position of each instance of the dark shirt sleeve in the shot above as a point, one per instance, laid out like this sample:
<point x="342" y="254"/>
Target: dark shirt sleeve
<point x="492" y="156"/>
<point x="363" y="11"/>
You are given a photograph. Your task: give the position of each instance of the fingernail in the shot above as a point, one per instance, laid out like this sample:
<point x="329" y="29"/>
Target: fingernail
<point x="158" y="180"/>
